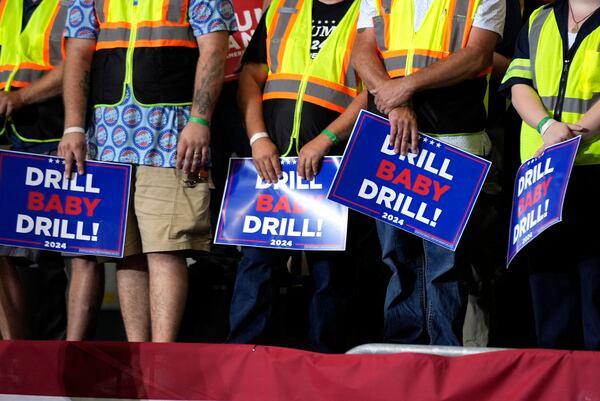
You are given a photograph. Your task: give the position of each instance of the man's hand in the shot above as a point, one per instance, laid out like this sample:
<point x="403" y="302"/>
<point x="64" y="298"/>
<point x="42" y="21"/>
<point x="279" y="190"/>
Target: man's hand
<point x="311" y="155"/>
<point x="192" y="148"/>
<point x="558" y="132"/>
<point x="403" y="129"/>
<point x="72" y="147"/>
<point x="266" y="159"/>
<point x="392" y="94"/>
<point x="10" y="102"/>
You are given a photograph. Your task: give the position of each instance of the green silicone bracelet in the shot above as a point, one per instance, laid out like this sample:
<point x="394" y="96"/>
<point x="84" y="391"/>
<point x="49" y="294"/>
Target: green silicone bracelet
<point x="331" y="136"/>
<point x="541" y="123"/>
<point x="200" y="120"/>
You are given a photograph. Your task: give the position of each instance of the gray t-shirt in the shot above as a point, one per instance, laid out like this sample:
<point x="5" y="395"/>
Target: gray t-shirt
<point x="490" y="15"/>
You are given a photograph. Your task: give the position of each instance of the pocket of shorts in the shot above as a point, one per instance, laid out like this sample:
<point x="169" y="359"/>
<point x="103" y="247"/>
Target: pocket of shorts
<point x="191" y="212"/>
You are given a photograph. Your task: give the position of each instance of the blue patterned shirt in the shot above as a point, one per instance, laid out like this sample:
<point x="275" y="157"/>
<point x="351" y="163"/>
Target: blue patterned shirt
<point x="129" y="132"/>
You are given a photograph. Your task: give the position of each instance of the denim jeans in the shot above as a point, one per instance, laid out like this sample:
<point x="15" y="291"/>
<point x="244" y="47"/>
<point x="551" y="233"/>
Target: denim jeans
<point x="256" y="289"/>
<point x="426" y="297"/>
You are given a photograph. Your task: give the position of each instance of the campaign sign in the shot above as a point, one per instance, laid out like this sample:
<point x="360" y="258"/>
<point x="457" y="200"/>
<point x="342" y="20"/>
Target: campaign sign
<point x="539" y="194"/>
<point x="43" y="209"/>
<point x="430" y="194"/>
<point x="247" y="15"/>
<point x="293" y="213"/>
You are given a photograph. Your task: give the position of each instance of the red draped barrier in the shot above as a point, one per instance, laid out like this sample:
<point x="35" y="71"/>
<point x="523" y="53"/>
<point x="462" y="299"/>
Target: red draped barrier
<point x="241" y="372"/>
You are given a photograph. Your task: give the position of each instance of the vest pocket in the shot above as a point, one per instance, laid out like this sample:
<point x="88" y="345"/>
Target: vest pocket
<point x="591" y="73"/>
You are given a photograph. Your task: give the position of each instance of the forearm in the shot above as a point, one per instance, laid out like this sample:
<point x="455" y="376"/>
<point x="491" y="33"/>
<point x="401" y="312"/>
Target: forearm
<point x="460" y="66"/>
<point x="591" y="122"/>
<point x="500" y="65"/>
<point x="252" y="79"/>
<point x="47" y="87"/>
<point x="76" y="81"/>
<point x="342" y="126"/>
<point x="209" y="73"/>
<point x="366" y="61"/>
<point x="528" y="104"/>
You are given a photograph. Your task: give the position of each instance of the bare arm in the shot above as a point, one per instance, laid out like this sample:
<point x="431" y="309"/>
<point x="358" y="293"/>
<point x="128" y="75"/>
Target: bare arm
<point x="252" y="81"/>
<point x="464" y="64"/>
<point x="366" y="61"/>
<point x="312" y="153"/>
<point x="194" y="140"/>
<point x="500" y="65"/>
<point x="590" y="122"/>
<point x="76" y="83"/>
<point x="264" y="151"/>
<point x="47" y="87"/>
<point x="529" y="106"/>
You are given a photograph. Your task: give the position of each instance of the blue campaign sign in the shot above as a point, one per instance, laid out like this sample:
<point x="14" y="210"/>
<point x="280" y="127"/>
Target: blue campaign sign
<point x="43" y="209"/>
<point x="430" y="194"/>
<point x="539" y="194"/>
<point x="292" y="214"/>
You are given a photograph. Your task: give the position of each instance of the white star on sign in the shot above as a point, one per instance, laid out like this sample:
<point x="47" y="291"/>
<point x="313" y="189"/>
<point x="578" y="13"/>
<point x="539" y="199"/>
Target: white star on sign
<point x="51" y="160"/>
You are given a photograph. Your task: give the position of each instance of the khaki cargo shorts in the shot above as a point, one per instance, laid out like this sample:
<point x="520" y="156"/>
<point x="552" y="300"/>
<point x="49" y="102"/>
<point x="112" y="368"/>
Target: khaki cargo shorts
<point x="167" y="212"/>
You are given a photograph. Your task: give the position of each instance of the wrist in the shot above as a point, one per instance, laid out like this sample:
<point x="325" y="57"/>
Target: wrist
<point x="199" y="120"/>
<point x="256" y="136"/>
<point x="74" y="130"/>
<point x="546" y="126"/>
<point x="332" y="136"/>
<point x="541" y="123"/>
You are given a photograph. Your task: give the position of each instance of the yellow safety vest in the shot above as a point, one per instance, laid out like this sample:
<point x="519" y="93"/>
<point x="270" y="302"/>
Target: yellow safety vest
<point x="26" y="55"/>
<point x="568" y="87"/>
<point x="328" y="80"/>
<point x="149" y="46"/>
<point x="460" y="109"/>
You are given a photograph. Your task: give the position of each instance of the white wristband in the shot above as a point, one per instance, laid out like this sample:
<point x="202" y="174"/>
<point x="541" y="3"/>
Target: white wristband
<point x="255" y="137"/>
<point x="71" y="130"/>
<point x="546" y="126"/>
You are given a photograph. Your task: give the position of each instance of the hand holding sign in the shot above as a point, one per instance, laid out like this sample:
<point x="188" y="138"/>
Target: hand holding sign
<point x="430" y="194"/>
<point x="292" y="213"/>
<point x="45" y="208"/>
<point x="72" y="148"/>
<point x="539" y="193"/>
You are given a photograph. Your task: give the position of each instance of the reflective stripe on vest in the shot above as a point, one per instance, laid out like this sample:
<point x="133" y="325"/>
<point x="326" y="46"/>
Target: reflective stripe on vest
<point x="160" y="25"/>
<point x="518" y="68"/>
<point x="147" y="36"/>
<point x="455" y="36"/>
<point x="325" y="94"/>
<point x="21" y="65"/>
<point x="328" y="80"/>
<point x="567" y="89"/>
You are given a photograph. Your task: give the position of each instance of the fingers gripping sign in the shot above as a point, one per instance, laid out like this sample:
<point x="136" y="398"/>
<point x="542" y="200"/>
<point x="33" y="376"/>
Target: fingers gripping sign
<point x="73" y="148"/>
<point x="403" y="130"/>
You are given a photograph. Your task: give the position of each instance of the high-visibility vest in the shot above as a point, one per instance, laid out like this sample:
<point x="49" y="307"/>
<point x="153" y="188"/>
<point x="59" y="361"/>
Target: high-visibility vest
<point x="148" y="45"/>
<point x="460" y="109"/>
<point x="328" y="80"/>
<point x="568" y="87"/>
<point x="25" y="56"/>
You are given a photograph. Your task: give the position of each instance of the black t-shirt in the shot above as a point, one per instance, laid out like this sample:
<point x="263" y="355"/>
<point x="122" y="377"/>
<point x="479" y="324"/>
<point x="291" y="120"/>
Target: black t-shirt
<point x="279" y="113"/>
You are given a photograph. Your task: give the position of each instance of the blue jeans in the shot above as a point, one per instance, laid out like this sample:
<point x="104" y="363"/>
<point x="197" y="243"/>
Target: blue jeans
<point x="256" y="289"/>
<point x="426" y="297"/>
